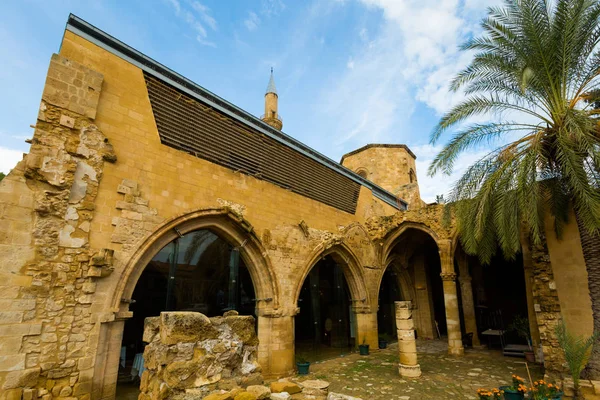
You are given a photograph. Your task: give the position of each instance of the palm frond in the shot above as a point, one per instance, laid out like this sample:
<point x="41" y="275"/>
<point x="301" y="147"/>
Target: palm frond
<point x="537" y="60"/>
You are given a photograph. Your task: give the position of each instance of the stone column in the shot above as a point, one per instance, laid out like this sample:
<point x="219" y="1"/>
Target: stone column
<point x="276" y="349"/>
<point x="366" y="326"/>
<point x="407" y="347"/>
<point x="455" y="346"/>
<point x="466" y="291"/>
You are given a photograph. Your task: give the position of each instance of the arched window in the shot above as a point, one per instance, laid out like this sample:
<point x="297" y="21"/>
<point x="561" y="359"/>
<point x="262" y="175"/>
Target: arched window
<point x="411" y="176"/>
<point x="362" y="172"/>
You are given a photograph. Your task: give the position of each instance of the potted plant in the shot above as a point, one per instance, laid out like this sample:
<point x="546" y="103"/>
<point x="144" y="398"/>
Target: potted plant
<point x="546" y="391"/>
<point x="576" y="350"/>
<point x="489" y="394"/>
<point x="516" y="391"/>
<point x="303" y="365"/>
<point x="364" y="347"/>
<point x="383" y="341"/>
<point x="521" y="326"/>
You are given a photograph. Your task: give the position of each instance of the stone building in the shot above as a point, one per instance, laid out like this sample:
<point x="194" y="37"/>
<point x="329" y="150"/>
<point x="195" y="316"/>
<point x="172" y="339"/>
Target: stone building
<point x="143" y="192"/>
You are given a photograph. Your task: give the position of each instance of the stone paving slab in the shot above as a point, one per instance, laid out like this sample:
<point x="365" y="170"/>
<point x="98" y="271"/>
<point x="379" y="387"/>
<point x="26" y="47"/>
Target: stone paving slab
<point x="444" y="377"/>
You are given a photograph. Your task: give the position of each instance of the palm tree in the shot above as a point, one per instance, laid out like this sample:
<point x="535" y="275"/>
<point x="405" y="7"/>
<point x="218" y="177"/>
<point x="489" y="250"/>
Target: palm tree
<point x="534" y="69"/>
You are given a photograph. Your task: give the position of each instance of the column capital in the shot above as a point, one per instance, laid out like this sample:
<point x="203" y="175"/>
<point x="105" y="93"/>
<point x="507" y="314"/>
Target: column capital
<point x="444" y="245"/>
<point x="271" y="312"/>
<point x="448" y="276"/>
<point x="465" y="279"/>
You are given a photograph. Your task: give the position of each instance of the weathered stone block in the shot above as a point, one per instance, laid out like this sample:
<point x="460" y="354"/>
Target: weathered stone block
<point x="315" y="387"/>
<point x="67" y="121"/>
<point x="12" y="362"/>
<point x="245" y="396"/>
<point x="21" y="379"/>
<point x="151" y="325"/>
<point x="183" y="326"/>
<point x="219" y="396"/>
<point x="285" y="386"/>
<point x="261" y="392"/>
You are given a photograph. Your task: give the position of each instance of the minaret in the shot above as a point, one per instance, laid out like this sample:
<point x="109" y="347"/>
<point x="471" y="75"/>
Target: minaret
<point x="271" y="116"/>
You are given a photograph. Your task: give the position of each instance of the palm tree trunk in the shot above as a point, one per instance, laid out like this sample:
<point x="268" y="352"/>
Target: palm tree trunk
<point x="590" y="244"/>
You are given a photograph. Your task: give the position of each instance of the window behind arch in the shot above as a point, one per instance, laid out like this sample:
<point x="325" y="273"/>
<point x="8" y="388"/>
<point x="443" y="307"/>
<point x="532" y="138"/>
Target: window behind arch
<point x="362" y="172"/>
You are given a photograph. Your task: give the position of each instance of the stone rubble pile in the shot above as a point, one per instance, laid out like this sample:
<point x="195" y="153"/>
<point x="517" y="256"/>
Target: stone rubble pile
<point x="190" y="355"/>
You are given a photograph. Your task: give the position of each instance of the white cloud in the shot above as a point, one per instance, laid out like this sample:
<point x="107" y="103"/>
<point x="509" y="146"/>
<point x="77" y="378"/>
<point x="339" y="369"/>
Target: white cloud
<point x="196" y="17"/>
<point x="272" y="7"/>
<point x="176" y="5"/>
<point x="9" y="159"/>
<point x="441" y="183"/>
<point x="252" y="21"/>
<point x="204" y="13"/>
<point x="410" y="59"/>
<point x="363" y="34"/>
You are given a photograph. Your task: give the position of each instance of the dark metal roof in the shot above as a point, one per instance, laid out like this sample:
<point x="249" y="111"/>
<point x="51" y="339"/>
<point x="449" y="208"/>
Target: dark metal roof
<point x="107" y="42"/>
<point x="371" y="145"/>
<point x="189" y="125"/>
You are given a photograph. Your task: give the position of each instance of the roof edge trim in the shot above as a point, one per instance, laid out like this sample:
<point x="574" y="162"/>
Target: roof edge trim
<point x="372" y="145"/>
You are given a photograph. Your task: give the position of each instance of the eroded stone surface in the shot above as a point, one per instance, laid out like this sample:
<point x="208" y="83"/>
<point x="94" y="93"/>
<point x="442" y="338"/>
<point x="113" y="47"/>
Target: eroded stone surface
<point x="261" y="392"/>
<point x="190" y="355"/>
<point x="285" y="386"/>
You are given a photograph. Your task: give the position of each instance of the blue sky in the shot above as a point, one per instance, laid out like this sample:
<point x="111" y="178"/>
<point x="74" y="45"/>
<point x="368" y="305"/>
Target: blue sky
<point x="348" y="72"/>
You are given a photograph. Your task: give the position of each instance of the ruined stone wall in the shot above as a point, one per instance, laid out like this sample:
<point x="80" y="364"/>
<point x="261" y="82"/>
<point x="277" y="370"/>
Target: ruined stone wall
<point x="189" y="354"/>
<point x="47" y="203"/>
<point x="547" y="308"/>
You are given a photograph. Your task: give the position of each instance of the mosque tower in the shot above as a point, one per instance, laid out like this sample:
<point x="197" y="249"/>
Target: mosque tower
<point x="271" y="115"/>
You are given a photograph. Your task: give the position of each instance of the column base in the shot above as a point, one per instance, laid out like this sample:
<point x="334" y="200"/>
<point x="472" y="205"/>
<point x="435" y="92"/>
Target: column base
<point x="409" y="371"/>
<point x="456" y="351"/>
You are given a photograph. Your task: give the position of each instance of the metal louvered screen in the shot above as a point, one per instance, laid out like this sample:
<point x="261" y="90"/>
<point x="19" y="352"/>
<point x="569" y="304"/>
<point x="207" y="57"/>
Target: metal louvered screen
<point x="187" y="124"/>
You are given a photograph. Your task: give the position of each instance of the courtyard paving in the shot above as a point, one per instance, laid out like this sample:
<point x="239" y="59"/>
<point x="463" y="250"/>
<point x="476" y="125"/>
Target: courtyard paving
<point x="376" y="376"/>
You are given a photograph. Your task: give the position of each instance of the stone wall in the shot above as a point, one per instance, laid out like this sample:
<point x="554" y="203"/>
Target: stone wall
<point x="47" y="204"/>
<point x="392" y="167"/>
<point x="547" y="308"/>
<point x="189" y="354"/>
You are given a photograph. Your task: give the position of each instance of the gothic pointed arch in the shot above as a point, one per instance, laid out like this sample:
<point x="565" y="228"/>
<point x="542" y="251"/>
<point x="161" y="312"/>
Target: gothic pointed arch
<point x="394" y="235"/>
<point x="350" y="265"/>
<point x="223" y="222"/>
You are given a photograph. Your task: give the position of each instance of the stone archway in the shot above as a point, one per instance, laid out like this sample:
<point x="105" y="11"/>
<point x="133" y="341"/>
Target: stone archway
<point x="444" y="299"/>
<point x="226" y="225"/>
<point x="334" y="315"/>
<point x="349" y="263"/>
